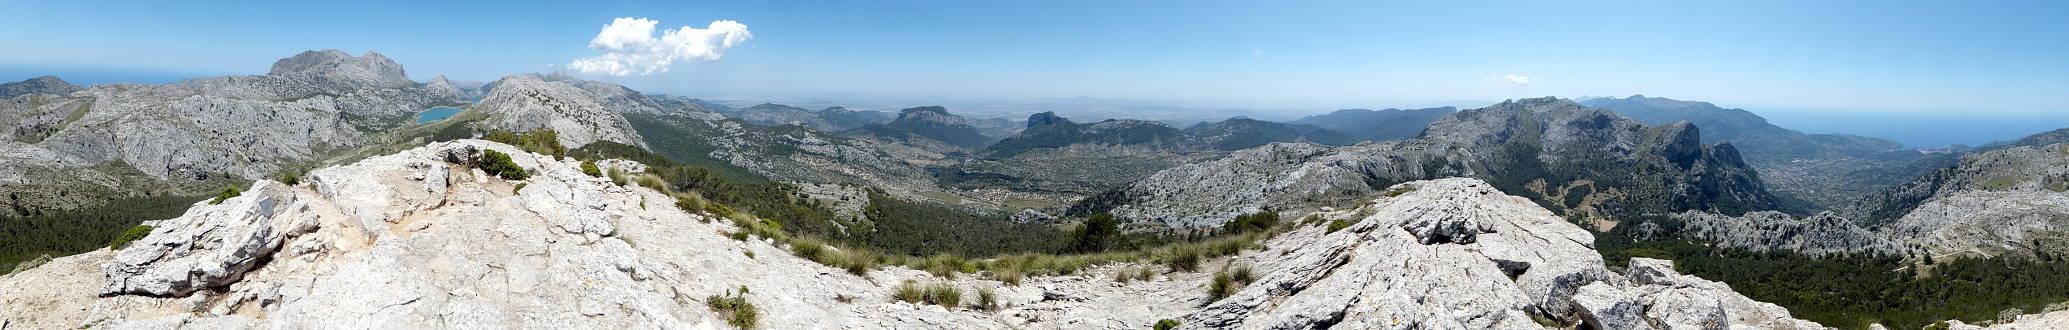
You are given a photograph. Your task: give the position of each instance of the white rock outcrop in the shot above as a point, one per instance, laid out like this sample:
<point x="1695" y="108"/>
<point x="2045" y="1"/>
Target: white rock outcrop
<point x="420" y="239"/>
<point x="1407" y="262"/>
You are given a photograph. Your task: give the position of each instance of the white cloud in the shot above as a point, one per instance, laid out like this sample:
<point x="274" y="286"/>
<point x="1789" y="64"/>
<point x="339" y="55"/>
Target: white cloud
<point x="1257" y="52"/>
<point x="1516" y="80"/>
<point x="630" y="46"/>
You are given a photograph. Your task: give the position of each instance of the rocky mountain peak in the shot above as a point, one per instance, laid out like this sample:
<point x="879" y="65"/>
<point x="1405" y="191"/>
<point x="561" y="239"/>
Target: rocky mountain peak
<point x="371" y="68"/>
<point x="1045" y="118"/>
<point x="1681" y="142"/>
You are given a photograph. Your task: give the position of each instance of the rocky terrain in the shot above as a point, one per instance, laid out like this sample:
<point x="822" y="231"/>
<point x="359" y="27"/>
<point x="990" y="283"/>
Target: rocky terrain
<point x="1821" y="234"/>
<point x="450" y="246"/>
<point x="2008" y="201"/>
<point x="78" y="148"/>
<point x="1564" y="156"/>
<point x="1827" y="170"/>
<point x="1377" y="125"/>
<point x="580" y="115"/>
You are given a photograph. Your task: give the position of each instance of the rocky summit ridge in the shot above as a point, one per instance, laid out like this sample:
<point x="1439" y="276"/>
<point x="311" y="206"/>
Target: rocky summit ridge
<point x="421" y="238"/>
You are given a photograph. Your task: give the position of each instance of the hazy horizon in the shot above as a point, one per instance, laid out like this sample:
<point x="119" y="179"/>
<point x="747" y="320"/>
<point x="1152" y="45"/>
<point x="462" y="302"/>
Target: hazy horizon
<point x="1197" y="61"/>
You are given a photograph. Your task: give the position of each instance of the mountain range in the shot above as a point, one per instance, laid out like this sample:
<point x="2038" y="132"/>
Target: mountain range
<point x="1524" y="214"/>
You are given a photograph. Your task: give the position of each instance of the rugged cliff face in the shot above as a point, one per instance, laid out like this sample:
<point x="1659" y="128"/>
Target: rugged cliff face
<point x="1592" y="162"/>
<point x="422" y="239"/>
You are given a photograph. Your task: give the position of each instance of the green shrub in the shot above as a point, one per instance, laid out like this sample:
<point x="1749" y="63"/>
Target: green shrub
<point x="1146" y="273"/>
<point x="945" y="265"/>
<point x="1222" y="286"/>
<point x="617" y="176"/>
<point x="986" y="300"/>
<point x="909" y="292"/>
<point x="1124" y="276"/>
<point x="945" y="294"/>
<point x="291" y="179"/>
<point x="519" y="187"/>
<point x="228" y="192"/>
<point x="1228" y="281"/>
<point x="1941" y="325"/>
<point x="1254" y="222"/>
<point x="1097" y="234"/>
<point x="1009" y="276"/>
<point x="859" y="261"/>
<point x="1183" y="258"/>
<point x="735" y="309"/>
<point x="498" y="164"/>
<point x="131" y="235"/>
<point x="589" y="167"/>
<point x="1166" y="324"/>
<point x="1242" y="274"/>
<point x="809" y="249"/>
<point x="1338" y="225"/>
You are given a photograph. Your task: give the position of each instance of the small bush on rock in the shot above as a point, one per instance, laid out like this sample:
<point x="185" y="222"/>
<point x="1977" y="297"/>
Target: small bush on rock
<point x="1338" y="225"/>
<point x="1254" y="222"/>
<point x="1228" y="281"/>
<point x="589" y="167"/>
<point x="228" y="192"/>
<point x="945" y="294"/>
<point x="909" y="292"/>
<point x="735" y="309"/>
<point x="498" y="164"/>
<point x="986" y="300"/>
<point x="131" y="235"/>
<point x="1165" y="324"/>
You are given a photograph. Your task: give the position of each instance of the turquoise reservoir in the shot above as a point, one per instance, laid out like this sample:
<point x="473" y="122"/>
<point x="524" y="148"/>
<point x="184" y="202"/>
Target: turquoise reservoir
<point x="436" y="114"/>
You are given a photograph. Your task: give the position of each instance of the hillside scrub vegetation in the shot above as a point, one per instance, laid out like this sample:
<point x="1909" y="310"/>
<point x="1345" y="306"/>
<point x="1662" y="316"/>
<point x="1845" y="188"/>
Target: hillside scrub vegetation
<point x="942" y="240"/>
<point x="75" y="231"/>
<point x="1854" y="291"/>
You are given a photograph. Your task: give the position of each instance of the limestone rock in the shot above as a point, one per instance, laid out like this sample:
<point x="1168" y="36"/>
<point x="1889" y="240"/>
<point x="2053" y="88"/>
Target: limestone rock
<point x="573" y="251"/>
<point x="211" y="245"/>
<point x="525" y="102"/>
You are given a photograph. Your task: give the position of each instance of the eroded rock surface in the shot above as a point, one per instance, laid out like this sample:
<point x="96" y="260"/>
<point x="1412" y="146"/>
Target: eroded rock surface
<point x="420" y="239"/>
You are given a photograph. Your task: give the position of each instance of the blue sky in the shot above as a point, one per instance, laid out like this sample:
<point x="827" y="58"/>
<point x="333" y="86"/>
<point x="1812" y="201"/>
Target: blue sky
<point x="1941" y="57"/>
